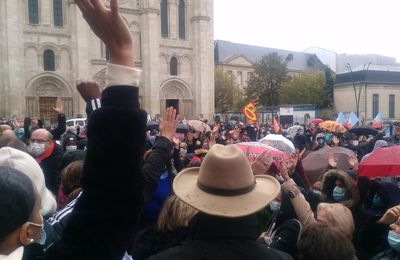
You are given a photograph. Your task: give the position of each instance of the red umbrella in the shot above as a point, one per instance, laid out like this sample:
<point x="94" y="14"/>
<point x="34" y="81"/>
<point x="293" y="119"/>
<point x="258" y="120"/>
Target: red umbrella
<point x="317" y="121"/>
<point x="255" y="149"/>
<point x="382" y="162"/>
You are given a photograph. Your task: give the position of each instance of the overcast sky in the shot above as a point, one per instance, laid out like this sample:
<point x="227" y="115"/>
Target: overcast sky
<point x="343" y="26"/>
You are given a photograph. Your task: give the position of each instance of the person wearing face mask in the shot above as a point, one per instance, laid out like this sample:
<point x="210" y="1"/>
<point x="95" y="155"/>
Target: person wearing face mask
<point x="21" y="225"/>
<point x="391" y="218"/>
<point x="70" y="143"/>
<point x="47" y="154"/>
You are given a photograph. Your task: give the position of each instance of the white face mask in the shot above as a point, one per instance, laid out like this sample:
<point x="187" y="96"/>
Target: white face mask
<point x="36" y="149"/>
<point x="355" y="142"/>
<point x="71" y="147"/>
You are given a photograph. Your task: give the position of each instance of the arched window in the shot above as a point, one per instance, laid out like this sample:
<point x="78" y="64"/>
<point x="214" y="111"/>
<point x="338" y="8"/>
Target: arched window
<point x="173" y="67"/>
<point x="58" y="13"/>
<point x="164" y="18"/>
<point x="33" y="9"/>
<point x="48" y="60"/>
<point x="182" y="20"/>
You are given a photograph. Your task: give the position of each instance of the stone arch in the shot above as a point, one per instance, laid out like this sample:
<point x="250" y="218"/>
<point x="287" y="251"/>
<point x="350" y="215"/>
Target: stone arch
<point x="49" y="46"/>
<point x="41" y="92"/>
<point x="48" y="83"/>
<point x="178" y="90"/>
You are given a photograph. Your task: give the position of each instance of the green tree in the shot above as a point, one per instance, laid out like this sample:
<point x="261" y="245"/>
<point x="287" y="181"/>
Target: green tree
<point x="328" y="89"/>
<point x="225" y="91"/>
<point x="305" y="88"/>
<point x="269" y="73"/>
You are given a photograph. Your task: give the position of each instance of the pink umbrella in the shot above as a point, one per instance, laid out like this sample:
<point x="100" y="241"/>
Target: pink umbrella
<point x="255" y="149"/>
<point x="317" y="121"/>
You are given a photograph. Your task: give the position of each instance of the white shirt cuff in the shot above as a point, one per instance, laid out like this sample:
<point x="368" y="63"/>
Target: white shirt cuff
<point x="117" y="75"/>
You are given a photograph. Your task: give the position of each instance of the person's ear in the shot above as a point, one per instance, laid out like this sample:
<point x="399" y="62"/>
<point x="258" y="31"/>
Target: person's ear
<point x="25" y="234"/>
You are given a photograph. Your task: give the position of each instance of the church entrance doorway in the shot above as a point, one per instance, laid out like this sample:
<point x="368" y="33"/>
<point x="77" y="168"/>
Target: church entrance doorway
<point x="46" y="111"/>
<point x="173" y="103"/>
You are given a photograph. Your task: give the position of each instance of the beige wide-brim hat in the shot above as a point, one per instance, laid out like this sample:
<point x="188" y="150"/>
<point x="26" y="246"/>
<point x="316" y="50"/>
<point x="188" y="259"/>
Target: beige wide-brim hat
<point x="224" y="185"/>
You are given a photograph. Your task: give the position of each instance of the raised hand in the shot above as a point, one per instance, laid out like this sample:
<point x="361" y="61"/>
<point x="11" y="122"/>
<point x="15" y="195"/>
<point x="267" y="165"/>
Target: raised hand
<point x="353" y="161"/>
<point x="88" y="90"/>
<point x="391" y="215"/>
<point x="335" y="140"/>
<point x="262" y="163"/>
<point x="59" y="106"/>
<point x="332" y="161"/>
<point x="110" y="27"/>
<point x="169" y="123"/>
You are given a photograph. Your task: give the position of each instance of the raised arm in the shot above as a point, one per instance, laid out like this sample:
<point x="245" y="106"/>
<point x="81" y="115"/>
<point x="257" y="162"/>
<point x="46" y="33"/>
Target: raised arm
<point x="104" y="218"/>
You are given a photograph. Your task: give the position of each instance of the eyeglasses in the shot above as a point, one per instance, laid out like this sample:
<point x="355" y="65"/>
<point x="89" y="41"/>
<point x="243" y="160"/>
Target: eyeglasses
<point x="39" y="141"/>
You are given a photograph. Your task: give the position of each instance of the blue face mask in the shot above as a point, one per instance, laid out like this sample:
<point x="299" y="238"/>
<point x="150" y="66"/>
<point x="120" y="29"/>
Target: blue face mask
<point x="275" y="206"/>
<point x="376" y="201"/>
<point x="42" y="237"/>
<point x="394" y="241"/>
<point x="338" y="193"/>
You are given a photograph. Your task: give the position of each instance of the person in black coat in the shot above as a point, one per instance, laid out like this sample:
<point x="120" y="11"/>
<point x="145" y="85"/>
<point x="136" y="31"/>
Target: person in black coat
<point x="48" y="155"/>
<point x="105" y="215"/>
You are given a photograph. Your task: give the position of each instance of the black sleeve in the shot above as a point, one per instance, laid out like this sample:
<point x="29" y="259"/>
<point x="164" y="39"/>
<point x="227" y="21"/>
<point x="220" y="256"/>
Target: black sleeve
<point x="104" y="217"/>
<point x="178" y="164"/>
<point x="27" y="132"/>
<point x="61" y="127"/>
<point x="155" y="164"/>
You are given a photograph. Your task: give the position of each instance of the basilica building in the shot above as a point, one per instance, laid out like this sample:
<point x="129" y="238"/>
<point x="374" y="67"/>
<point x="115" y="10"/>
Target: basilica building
<point x="46" y="46"/>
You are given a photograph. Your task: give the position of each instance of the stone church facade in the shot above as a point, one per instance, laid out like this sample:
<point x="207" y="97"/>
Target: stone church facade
<point x="46" y="46"/>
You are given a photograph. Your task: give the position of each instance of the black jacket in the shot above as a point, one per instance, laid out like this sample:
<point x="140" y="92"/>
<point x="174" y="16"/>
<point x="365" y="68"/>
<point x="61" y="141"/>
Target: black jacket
<point x="57" y="132"/>
<point x="222" y="238"/>
<point x="104" y="217"/>
<point x="50" y="167"/>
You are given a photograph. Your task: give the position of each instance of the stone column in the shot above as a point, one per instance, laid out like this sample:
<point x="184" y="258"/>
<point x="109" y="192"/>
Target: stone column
<point x="12" y="16"/>
<point x="46" y="13"/>
<point x="203" y="41"/>
<point x="81" y="36"/>
<point x="173" y="19"/>
<point x="150" y="21"/>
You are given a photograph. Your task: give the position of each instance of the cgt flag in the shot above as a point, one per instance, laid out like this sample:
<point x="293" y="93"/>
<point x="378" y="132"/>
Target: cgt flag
<point x="250" y="112"/>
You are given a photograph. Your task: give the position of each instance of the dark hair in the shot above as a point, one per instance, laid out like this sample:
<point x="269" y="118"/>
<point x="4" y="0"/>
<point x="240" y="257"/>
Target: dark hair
<point x="71" y="179"/>
<point x="13" y="143"/>
<point x="319" y="241"/>
<point x="17" y="199"/>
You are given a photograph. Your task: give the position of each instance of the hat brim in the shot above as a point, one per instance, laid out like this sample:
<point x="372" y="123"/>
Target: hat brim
<point x="185" y="187"/>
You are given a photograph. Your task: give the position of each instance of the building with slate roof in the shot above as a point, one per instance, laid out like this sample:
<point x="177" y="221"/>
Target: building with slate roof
<point x="380" y="91"/>
<point x="238" y="60"/>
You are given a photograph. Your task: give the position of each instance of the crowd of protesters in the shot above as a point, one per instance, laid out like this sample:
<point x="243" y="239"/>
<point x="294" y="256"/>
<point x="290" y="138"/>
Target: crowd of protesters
<point x="121" y="188"/>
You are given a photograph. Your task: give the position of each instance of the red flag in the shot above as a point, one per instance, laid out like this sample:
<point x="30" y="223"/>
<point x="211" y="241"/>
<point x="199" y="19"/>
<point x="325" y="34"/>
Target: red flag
<point x="250" y="112"/>
<point x="277" y="129"/>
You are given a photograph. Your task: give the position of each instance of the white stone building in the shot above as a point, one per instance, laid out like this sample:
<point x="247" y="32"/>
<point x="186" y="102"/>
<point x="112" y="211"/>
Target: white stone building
<point x="46" y="46"/>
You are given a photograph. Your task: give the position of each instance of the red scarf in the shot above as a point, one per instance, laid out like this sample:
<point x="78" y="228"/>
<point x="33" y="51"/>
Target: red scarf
<point x="47" y="153"/>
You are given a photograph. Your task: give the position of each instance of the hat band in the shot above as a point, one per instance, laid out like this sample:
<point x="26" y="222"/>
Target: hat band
<point x="225" y="192"/>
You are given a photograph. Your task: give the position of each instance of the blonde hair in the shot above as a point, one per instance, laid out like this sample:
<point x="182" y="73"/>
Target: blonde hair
<point x="175" y="214"/>
<point x="338" y="217"/>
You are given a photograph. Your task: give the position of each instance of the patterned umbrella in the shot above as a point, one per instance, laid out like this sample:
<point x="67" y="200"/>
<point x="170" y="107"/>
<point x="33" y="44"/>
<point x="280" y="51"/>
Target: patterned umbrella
<point x="279" y="142"/>
<point x="333" y="126"/>
<point x="199" y="126"/>
<point x="255" y="149"/>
